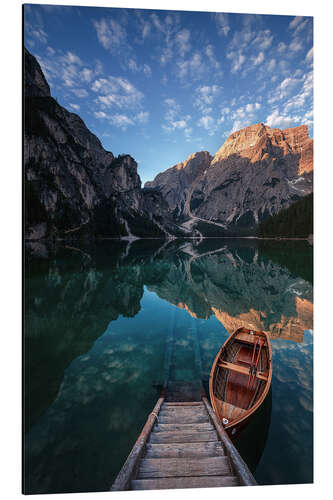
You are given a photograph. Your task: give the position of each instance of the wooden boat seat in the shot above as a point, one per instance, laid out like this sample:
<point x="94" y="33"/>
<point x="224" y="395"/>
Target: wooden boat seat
<point x="228" y="410"/>
<point x="246" y="337"/>
<point x="241" y="369"/>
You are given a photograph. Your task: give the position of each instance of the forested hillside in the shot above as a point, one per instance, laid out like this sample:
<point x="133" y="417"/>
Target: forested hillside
<point x="295" y="221"/>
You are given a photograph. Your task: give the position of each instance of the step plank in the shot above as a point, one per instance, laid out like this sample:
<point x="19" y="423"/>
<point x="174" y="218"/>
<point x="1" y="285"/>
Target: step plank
<point x="181" y="467"/>
<point x="179" y="419"/>
<point x="183" y="411"/>
<point x="203" y="426"/>
<point x="182" y="404"/>
<point x="183" y="450"/>
<point x="184" y="482"/>
<point x="182" y="437"/>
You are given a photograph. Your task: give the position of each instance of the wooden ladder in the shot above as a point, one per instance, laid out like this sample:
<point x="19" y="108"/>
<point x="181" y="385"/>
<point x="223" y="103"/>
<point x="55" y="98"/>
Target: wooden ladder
<point x="182" y="447"/>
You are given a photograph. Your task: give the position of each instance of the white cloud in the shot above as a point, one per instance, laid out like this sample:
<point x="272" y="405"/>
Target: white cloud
<point x="225" y="111"/>
<point x="275" y="119"/>
<point x="98" y="68"/>
<point x="173" y="109"/>
<point x="245" y="116"/>
<point x="271" y="65"/>
<point x="304" y="96"/>
<point x="204" y="97"/>
<point x="308" y="118"/>
<point x="110" y="34"/>
<point x="173" y="118"/>
<point x="238" y="113"/>
<point x="182" y="40"/>
<point x="143" y="116"/>
<point x="75" y="106"/>
<point x="295" y="22"/>
<point x="171" y="102"/>
<point x="309" y="56"/>
<point x="208" y="123"/>
<point x="301" y="26"/>
<point x="283" y="89"/>
<point x="288" y="83"/>
<point x="299" y="102"/>
<point x="146" y="29"/>
<point x="121" y="121"/>
<point x="71" y="58"/>
<point x="39" y="34"/>
<point x="187" y="133"/>
<point x="159" y="25"/>
<point x="237" y="60"/>
<point x="179" y="124"/>
<point x="80" y="92"/>
<point x="86" y="75"/>
<point x="222" y="22"/>
<point x="132" y="65"/>
<point x="117" y="91"/>
<point x="209" y="51"/>
<point x="281" y="47"/>
<point x="147" y="69"/>
<point x="295" y="45"/>
<point x="50" y="51"/>
<point x="193" y="67"/>
<point x="259" y="59"/>
<point x="100" y="114"/>
<point x="263" y="40"/>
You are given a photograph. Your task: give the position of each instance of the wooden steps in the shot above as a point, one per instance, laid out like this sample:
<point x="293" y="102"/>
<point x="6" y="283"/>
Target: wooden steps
<point x="182" y="445"/>
<point x="182" y="467"/>
<point x="178" y="419"/>
<point x="182" y="437"/>
<point x="183" y="451"/>
<point x="184" y="482"/>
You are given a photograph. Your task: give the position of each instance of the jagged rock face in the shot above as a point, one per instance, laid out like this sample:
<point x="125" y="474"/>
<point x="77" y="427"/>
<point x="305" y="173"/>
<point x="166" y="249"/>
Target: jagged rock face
<point x="71" y="183"/>
<point x="34" y="80"/>
<point x="176" y="184"/>
<point x="257" y="172"/>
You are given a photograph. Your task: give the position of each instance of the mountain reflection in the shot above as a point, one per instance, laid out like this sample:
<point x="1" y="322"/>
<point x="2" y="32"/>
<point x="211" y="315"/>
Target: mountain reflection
<point x="73" y="293"/>
<point x="99" y="320"/>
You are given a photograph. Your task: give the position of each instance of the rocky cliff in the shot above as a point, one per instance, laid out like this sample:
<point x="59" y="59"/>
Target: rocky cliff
<point x="73" y="187"/>
<point x="257" y="172"/>
<point x="176" y="184"/>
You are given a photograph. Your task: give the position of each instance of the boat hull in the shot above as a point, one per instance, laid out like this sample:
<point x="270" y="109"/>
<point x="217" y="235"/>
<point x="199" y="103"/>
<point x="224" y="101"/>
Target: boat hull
<point x="240" y="378"/>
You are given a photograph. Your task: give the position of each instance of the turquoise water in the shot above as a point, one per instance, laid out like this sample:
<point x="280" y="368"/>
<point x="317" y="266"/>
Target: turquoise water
<point x="105" y="325"/>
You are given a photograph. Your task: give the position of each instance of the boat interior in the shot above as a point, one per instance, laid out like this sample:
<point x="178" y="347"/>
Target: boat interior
<point x="237" y="385"/>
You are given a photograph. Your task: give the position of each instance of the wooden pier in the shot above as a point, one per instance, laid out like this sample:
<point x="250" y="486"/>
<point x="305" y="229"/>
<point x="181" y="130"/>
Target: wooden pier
<point x="182" y="445"/>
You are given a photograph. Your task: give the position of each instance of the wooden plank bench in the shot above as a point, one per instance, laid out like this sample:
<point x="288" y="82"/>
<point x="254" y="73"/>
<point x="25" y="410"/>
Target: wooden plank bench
<point x="241" y="369"/>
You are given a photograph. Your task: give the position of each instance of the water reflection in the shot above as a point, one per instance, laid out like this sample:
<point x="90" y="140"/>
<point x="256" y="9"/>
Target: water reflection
<point x="101" y="319"/>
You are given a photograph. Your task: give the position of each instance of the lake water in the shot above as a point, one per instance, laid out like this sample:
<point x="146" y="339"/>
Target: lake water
<point x="101" y="321"/>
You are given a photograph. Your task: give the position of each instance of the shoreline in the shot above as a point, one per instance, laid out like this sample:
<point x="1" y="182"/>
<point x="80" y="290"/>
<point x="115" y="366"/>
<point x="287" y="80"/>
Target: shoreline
<point x="121" y="238"/>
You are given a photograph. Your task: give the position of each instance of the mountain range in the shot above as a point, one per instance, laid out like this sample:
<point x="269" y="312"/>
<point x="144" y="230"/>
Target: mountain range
<point x="74" y="188"/>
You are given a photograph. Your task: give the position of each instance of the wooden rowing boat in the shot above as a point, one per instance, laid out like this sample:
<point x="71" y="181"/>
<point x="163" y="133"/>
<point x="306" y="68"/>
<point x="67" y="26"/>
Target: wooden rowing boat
<point x="240" y="378"/>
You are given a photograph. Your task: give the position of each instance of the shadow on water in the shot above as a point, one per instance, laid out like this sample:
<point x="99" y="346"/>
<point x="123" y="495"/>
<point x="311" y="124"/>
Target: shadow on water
<point x="252" y="441"/>
<point x="99" y="320"/>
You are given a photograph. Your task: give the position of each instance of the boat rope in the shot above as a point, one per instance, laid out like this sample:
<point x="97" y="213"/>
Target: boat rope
<point x="155" y="415"/>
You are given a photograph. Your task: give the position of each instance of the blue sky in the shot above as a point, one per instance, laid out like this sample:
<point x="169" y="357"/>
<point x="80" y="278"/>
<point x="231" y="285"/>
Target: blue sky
<point x="160" y="85"/>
